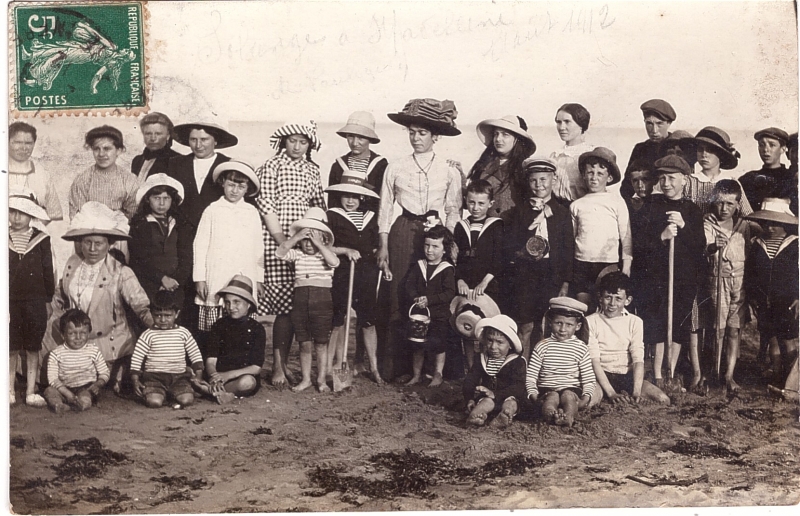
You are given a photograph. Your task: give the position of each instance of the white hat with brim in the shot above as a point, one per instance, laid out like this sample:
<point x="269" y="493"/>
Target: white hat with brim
<point x="505" y="325"/>
<point x="240" y="286"/>
<point x="360" y="123"/>
<point x="26" y="203"/>
<point x="95" y="218"/>
<point x="315" y="218"/>
<point x="223" y="137"/>
<point x="353" y="182"/>
<point x="774" y="210"/>
<point x="241" y="167"/>
<point x="159" y="180"/>
<point x="466" y="314"/>
<point x="508" y="123"/>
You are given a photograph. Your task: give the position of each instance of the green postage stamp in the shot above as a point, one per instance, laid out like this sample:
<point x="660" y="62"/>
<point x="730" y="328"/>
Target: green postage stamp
<point x="77" y="58"/>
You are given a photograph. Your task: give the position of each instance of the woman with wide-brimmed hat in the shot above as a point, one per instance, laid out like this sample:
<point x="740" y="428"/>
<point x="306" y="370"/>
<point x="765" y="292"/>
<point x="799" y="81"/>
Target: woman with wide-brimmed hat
<point x="158" y="133"/>
<point x="290" y="184"/>
<point x="359" y="131"/>
<point x="572" y="122"/>
<point x="97" y="283"/>
<point x="508" y="144"/>
<point x="425" y="185"/>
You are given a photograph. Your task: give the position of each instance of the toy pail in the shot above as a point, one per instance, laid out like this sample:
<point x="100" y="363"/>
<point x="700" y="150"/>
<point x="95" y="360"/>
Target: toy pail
<point x="418" y="325"/>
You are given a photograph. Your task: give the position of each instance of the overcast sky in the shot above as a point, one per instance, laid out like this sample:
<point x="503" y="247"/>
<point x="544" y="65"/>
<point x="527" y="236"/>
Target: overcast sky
<point x="732" y="64"/>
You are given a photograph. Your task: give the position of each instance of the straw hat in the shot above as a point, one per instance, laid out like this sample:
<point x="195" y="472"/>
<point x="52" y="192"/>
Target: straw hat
<point x="159" y="180"/>
<point x="721" y="142"/>
<point x="308" y="130"/>
<point x="505" y="325"/>
<point x="315" y="218"/>
<point x="466" y="314"/>
<point x="240" y="286"/>
<point x="25" y="201"/>
<point x="607" y="157"/>
<point x="510" y="123"/>
<point x="360" y="123"/>
<point x="774" y="210"/>
<point x="437" y="115"/>
<point x="224" y="138"/>
<point x="241" y="167"/>
<point x="95" y="218"/>
<point x="355" y="183"/>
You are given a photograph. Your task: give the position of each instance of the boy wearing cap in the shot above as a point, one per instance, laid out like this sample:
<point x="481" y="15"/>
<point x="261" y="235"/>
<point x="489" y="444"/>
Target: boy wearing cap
<point x="359" y="131"/>
<point x="601" y="223"/>
<point x="773" y="179"/>
<point x="312" y="307"/>
<point x="616" y="345"/>
<point x="31" y="287"/>
<point x="496" y="382"/>
<point x="658" y="117"/>
<point x="771" y="282"/>
<point x="539" y="251"/>
<point x="671" y="217"/>
<point x="560" y="369"/>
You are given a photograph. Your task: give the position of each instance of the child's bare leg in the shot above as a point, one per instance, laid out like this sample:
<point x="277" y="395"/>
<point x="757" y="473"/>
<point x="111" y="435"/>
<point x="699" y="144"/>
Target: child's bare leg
<point x="569" y="408"/>
<point x="524" y="334"/>
<point x="674" y="353"/>
<point x="507" y="413"/>
<point x="419" y="360"/>
<point x="282" y="335"/>
<point x="439" y="368"/>
<point x="84" y="398"/>
<point x="322" y="362"/>
<point x="306" y="357"/>
<point x="184" y="400"/>
<point x="335" y="347"/>
<point x="550" y="406"/>
<point x="658" y="363"/>
<point x="242" y="386"/>
<point x="12" y="375"/>
<point x="653" y="393"/>
<point x="732" y="340"/>
<point x="31" y="372"/>
<point x="775" y="358"/>
<point x="371" y="346"/>
<point x="788" y="349"/>
<point x="480" y="412"/>
<point x="154" y="399"/>
<point x="694" y="358"/>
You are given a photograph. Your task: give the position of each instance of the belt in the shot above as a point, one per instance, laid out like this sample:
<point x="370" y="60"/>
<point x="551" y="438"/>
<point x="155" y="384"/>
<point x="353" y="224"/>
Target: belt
<point x="419" y="218"/>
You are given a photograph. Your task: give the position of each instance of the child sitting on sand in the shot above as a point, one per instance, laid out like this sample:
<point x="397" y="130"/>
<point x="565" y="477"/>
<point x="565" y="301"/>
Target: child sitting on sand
<point x="159" y="357"/>
<point x="76" y="369"/>
<point x="431" y="284"/>
<point x="560" y="370"/>
<point x="312" y="307"/>
<point x="236" y="344"/>
<point x="496" y="382"/>
<point x="616" y="345"/>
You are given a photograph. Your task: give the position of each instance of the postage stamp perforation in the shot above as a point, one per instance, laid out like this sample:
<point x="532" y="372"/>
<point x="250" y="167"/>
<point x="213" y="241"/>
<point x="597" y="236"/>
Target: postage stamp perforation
<point x="84" y="52"/>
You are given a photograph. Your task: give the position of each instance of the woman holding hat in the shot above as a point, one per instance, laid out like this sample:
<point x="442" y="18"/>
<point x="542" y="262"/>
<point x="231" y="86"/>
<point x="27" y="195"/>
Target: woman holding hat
<point x="508" y="144"/>
<point x="424" y="185"/>
<point x="572" y="122"/>
<point x="290" y="184"/>
<point x="104" y="181"/>
<point x="359" y="131"/>
<point x="95" y="282"/>
<point x="194" y="170"/>
<point x="157" y="133"/>
<point x="161" y="238"/>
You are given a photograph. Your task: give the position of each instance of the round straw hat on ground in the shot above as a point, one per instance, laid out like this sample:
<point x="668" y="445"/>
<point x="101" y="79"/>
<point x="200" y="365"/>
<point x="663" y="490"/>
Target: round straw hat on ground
<point x="360" y="123"/>
<point x="223" y="137"/>
<point x="159" y="180"/>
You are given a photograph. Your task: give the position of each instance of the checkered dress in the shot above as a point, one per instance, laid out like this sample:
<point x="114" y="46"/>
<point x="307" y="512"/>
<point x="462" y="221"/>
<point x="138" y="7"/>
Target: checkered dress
<point x="288" y="188"/>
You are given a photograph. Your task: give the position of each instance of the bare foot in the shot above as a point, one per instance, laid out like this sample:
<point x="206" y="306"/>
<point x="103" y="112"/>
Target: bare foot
<point x="305" y="384"/>
<point x="413" y="381"/>
<point x="696" y="379"/>
<point x="377" y="378"/>
<point x="323" y="387"/>
<point x="549" y="417"/>
<point x="731" y="385"/>
<point x="503" y="420"/>
<point x="563" y="419"/>
<point x="476" y="419"/>
<point x="437" y="380"/>
<point x="279" y="380"/>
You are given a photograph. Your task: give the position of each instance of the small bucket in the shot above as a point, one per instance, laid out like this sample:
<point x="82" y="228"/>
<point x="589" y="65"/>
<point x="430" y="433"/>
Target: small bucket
<point x="418" y="325"/>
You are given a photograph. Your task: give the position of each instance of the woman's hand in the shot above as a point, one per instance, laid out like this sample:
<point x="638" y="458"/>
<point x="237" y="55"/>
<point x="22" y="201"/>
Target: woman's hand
<point x="202" y="289"/>
<point x="383" y="260"/>
<point x="479" y="290"/>
<point x="168" y="283"/>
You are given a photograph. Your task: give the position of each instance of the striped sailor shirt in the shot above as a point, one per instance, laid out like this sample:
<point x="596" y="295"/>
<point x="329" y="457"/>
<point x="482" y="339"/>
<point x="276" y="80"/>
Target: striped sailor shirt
<point x="310" y="270"/>
<point x="493" y="365"/>
<point x="20" y="239"/>
<point x="165" y="351"/>
<point x="560" y="365"/>
<point x="72" y="368"/>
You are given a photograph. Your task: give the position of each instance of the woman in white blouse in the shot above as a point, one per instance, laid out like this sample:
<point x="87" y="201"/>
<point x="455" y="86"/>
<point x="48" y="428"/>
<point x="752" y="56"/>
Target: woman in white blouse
<point x="572" y="121"/>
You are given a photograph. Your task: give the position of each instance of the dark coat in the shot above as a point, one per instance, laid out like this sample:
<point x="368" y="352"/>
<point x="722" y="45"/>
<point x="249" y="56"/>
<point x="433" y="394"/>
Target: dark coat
<point x="482" y="257"/>
<point x="155" y="255"/>
<point x="161" y="157"/>
<point x="650" y="152"/>
<point x="772" y="285"/>
<point x="31" y="275"/>
<point x="182" y="169"/>
<point x="374" y="179"/>
<point x="769" y="182"/>
<point x="345" y="234"/>
<point x="237" y="343"/>
<point x="440" y="289"/>
<point x="509" y="381"/>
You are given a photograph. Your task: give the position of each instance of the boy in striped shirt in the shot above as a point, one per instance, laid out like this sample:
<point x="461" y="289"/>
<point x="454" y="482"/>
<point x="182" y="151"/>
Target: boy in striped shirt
<point x="560" y="370"/>
<point x="159" y="357"/>
<point x="76" y="370"/>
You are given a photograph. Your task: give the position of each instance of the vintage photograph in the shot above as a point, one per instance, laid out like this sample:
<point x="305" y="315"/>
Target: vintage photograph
<point x="318" y="256"/>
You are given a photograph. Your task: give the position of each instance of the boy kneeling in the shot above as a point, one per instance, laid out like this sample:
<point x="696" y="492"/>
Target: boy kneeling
<point x="616" y="345"/>
<point x="496" y="381"/>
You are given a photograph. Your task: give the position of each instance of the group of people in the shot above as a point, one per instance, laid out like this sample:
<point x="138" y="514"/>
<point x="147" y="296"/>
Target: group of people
<point x="553" y="289"/>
